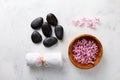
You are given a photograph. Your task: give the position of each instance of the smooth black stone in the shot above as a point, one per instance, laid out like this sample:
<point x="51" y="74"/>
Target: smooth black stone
<point x="50" y="41"/>
<point x="36" y="37"/>
<point x="51" y="19"/>
<point x="59" y="32"/>
<point x="37" y="23"/>
<point x="46" y="29"/>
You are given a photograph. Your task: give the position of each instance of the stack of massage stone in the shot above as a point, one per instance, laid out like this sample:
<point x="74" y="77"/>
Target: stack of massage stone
<point x="46" y="27"/>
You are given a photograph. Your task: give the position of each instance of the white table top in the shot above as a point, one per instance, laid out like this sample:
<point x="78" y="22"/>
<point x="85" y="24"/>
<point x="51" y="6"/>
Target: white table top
<point x="15" y="41"/>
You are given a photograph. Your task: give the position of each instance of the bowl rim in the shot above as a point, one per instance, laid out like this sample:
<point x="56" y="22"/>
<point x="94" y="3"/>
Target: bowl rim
<point x="98" y="57"/>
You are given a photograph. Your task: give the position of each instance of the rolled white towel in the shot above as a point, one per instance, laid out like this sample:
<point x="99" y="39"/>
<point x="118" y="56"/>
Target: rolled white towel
<point x="34" y="59"/>
<point x="46" y="60"/>
<point x="53" y="60"/>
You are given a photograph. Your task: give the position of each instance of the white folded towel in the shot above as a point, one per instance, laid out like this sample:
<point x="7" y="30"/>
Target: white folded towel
<point x="46" y="60"/>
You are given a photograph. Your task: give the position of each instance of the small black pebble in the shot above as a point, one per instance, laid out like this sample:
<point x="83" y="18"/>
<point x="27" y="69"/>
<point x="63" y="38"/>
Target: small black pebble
<point x="51" y="19"/>
<point x="36" y="37"/>
<point x="37" y="23"/>
<point x="46" y="29"/>
<point x="59" y="32"/>
<point x="50" y="41"/>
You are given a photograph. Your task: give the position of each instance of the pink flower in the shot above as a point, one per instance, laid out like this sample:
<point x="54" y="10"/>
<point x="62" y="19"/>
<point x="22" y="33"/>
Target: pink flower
<point x="78" y="22"/>
<point x="96" y="20"/>
<point x="91" y="23"/>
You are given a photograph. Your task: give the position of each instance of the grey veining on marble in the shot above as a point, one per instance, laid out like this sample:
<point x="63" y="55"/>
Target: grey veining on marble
<point x="15" y="41"/>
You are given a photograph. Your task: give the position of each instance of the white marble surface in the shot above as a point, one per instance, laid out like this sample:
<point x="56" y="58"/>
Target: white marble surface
<point x="15" y="42"/>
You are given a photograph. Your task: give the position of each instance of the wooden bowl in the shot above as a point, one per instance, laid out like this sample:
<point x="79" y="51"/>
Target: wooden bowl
<point x="98" y="57"/>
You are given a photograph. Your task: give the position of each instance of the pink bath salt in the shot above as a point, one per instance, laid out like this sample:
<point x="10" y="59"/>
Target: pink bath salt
<point x="85" y="51"/>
